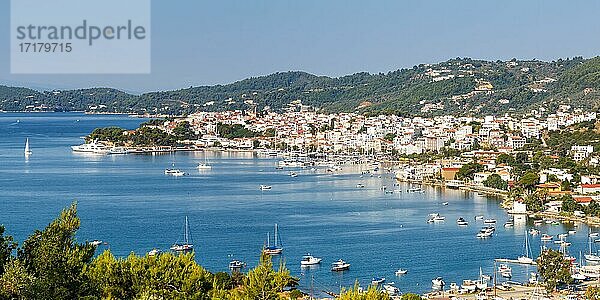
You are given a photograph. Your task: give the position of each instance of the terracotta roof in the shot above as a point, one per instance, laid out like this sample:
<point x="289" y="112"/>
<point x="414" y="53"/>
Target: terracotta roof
<point x="590" y="186"/>
<point x="583" y="199"/>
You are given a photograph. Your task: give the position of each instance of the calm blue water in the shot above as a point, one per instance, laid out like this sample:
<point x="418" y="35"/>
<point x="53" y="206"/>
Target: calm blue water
<point x="129" y="202"/>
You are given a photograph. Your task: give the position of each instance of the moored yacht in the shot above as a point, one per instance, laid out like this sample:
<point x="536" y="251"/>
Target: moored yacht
<point x="437" y="283"/>
<point x="340" y="265"/>
<point x="187" y="240"/>
<point x="236" y="265"/>
<point x="94" y="147"/>
<point x="462" y="222"/>
<point x="277" y="248"/>
<point x="377" y="280"/>
<point x="309" y="260"/>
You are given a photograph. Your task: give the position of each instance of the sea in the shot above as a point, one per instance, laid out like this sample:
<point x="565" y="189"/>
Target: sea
<point x="132" y="206"/>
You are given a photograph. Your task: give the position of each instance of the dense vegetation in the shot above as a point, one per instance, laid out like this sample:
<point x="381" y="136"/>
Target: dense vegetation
<point x="554" y="268"/>
<point x="50" y="264"/>
<point x="525" y="84"/>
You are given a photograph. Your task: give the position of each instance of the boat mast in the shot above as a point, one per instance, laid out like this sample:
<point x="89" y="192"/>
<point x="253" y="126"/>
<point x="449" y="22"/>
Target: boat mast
<point x="275" y="235"/>
<point x="185" y="231"/>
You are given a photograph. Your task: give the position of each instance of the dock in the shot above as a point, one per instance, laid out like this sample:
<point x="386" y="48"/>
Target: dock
<point x="514" y="261"/>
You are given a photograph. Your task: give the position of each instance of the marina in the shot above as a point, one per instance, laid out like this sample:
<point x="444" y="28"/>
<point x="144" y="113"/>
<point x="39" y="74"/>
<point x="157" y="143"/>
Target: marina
<point x="128" y="203"/>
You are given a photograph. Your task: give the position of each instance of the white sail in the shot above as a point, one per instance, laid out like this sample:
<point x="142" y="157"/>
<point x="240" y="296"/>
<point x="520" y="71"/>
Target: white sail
<point x="27" y="150"/>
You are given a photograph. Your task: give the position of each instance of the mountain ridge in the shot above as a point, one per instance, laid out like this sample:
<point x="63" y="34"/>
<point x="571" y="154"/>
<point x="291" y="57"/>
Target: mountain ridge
<point x="457" y="86"/>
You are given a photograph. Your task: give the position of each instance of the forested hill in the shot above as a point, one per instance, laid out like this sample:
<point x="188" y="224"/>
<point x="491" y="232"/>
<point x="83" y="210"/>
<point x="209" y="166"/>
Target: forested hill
<point x="457" y="86"/>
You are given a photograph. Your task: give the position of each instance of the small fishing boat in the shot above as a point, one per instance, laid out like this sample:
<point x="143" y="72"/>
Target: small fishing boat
<point x="293" y="174"/>
<point x="572" y="232"/>
<point x="263" y="187"/>
<point x="546" y="237"/>
<point x="489" y="221"/>
<point x="401" y="272"/>
<point x="445" y="203"/>
<point x="538" y="222"/>
<point x="360" y="185"/>
<point x="309" y="260"/>
<point x="377" y="280"/>
<point x="534" y="231"/>
<point x="340" y="265"/>
<point x="479" y="218"/>
<point x="594" y="234"/>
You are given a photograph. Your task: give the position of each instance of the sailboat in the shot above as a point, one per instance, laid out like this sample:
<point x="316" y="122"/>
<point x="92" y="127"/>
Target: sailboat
<point x="276" y="248"/>
<point x="481" y="283"/>
<point x="204" y="165"/>
<point x="591" y="256"/>
<point x="27" y="150"/>
<point x="187" y="243"/>
<point x="526" y="258"/>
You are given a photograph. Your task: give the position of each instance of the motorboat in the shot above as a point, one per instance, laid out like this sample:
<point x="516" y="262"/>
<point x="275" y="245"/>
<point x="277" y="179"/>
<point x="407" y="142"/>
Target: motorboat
<point x="439" y="218"/>
<point x="96" y="243"/>
<point x="340" y="265"/>
<point x="401" y="272"/>
<point x="445" y="203"/>
<point x="236" y="265"/>
<point x="360" y="185"/>
<point x="546" y="237"/>
<point x="462" y="222"/>
<point x="118" y="150"/>
<point x="490" y="221"/>
<point x="293" y="174"/>
<point x="594" y="234"/>
<point x="572" y="232"/>
<point x="391" y="290"/>
<point x="468" y="285"/>
<point x="479" y="218"/>
<point x="534" y="231"/>
<point x="174" y="172"/>
<point x="486" y="232"/>
<point x="203" y="166"/>
<point x="437" y="283"/>
<point x="94" y="147"/>
<point x="377" y="280"/>
<point x="309" y="260"/>
<point x="263" y="187"/>
<point x="538" y="222"/>
<point x="154" y="252"/>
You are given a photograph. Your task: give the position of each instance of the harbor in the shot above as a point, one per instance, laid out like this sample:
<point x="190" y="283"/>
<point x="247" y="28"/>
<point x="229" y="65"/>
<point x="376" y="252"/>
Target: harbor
<point x="129" y="203"/>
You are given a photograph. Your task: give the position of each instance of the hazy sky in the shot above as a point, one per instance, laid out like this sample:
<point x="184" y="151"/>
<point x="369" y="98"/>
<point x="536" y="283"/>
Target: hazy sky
<point x="197" y="42"/>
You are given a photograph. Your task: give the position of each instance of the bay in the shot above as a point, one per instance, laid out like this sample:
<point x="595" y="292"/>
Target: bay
<point x="127" y="201"/>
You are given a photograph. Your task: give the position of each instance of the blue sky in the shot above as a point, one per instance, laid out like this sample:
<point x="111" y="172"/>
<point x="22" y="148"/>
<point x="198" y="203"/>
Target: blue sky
<point x="196" y="42"/>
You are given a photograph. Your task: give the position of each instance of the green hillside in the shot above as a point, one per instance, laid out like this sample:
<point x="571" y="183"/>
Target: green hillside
<point x="457" y="86"/>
